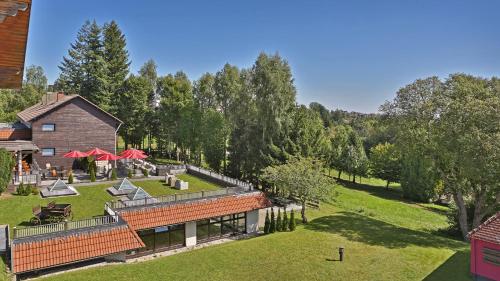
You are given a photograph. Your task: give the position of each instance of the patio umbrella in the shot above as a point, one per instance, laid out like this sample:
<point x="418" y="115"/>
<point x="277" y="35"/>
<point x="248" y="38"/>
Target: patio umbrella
<point x="133" y="154"/>
<point x="108" y="157"/>
<point x="97" y="151"/>
<point x="75" y="154"/>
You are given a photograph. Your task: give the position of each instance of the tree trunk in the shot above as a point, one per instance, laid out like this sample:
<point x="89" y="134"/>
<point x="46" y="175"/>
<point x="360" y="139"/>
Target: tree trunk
<point x="479" y="201"/>
<point x="462" y="214"/>
<point x="354" y="178"/>
<point x="303" y="212"/>
<point x="340" y="172"/>
<point x="387" y="185"/>
<point x="224" y="159"/>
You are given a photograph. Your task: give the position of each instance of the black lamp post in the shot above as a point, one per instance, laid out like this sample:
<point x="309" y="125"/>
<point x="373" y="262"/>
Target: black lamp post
<point x="341" y="253"/>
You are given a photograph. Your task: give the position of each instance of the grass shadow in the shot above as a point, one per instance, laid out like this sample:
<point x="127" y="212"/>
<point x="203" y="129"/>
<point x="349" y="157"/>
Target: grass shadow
<point x="454" y="268"/>
<point x="370" y="231"/>
<point x="381" y="192"/>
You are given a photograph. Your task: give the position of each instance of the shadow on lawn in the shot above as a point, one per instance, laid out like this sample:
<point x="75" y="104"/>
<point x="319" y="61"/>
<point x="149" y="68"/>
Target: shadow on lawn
<point x="378" y="191"/>
<point x="367" y="230"/>
<point x="454" y="268"/>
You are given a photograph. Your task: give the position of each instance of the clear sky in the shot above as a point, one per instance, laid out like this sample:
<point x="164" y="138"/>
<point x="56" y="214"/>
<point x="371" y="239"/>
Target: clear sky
<point x="352" y="55"/>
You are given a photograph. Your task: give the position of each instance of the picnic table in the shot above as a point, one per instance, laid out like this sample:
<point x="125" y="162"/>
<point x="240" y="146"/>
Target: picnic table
<point x="51" y="213"/>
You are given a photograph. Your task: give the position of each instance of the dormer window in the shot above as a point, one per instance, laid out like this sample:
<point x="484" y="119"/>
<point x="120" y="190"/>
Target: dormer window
<point x="49" y="127"/>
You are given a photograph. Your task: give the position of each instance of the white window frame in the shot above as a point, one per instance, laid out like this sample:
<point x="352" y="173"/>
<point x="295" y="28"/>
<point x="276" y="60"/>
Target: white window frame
<point x="48" y="129"/>
<point x="43" y="150"/>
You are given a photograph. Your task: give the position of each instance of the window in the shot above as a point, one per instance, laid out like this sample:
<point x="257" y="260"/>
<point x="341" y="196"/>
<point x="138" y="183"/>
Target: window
<point x="491" y="256"/>
<point x="50" y="127"/>
<point x="48" y="151"/>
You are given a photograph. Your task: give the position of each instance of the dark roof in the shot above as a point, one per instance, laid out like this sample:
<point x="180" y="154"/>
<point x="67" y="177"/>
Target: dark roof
<point x="46" y="106"/>
<point x="488" y="231"/>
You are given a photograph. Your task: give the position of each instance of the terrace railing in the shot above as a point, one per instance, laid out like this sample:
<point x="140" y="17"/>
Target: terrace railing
<point x="62" y="226"/>
<point x="165" y="199"/>
<point x="223" y="178"/>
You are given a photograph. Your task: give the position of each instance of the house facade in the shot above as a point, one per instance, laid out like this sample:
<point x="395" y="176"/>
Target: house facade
<point x="58" y="124"/>
<point x="485" y="250"/>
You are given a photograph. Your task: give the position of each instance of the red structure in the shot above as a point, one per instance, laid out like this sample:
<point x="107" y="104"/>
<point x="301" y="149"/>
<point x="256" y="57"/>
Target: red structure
<point x="485" y="250"/>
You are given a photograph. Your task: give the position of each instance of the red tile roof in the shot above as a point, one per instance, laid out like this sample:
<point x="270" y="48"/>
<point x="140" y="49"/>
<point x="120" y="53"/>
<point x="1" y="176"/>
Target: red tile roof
<point x="488" y="231"/>
<point x="32" y="254"/>
<point x="203" y="209"/>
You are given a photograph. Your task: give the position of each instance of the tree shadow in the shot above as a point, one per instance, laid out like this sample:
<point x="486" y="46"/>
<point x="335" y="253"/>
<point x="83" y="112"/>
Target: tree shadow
<point x="370" y="231"/>
<point x="390" y="194"/>
<point x="454" y="268"/>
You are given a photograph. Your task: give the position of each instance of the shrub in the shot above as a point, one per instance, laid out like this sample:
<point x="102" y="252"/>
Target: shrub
<point x="6" y="164"/>
<point x="145" y="172"/>
<point x="267" y="224"/>
<point x="278" y="221"/>
<point x="92" y="174"/>
<point x="272" y="227"/>
<point x="292" y="225"/>
<point x="284" y="225"/>
<point x="70" y="178"/>
<point x="113" y="174"/>
<point x="34" y="190"/>
<point x="24" y="190"/>
<point x="129" y="173"/>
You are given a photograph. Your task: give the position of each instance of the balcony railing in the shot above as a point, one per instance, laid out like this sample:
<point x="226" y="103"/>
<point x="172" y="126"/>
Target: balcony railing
<point x="62" y="226"/>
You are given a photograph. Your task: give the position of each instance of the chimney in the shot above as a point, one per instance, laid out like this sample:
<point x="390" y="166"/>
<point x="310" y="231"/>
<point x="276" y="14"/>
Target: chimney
<point x="60" y="96"/>
<point x="52" y="97"/>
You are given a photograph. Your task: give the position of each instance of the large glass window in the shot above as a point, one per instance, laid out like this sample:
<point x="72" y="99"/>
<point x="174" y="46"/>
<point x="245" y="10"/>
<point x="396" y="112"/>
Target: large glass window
<point x="48" y="151"/>
<point x="217" y="227"/>
<point x="162" y="238"/>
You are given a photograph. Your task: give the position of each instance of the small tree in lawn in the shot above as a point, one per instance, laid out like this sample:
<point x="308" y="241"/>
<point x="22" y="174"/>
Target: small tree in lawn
<point x="385" y="162"/>
<point x="284" y="225"/>
<point x="278" y="221"/>
<point x="272" y="227"/>
<point x="113" y="174"/>
<point x="92" y="173"/>
<point x="302" y="177"/>
<point x="267" y="224"/>
<point x="70" y="177"/>
<point x="291" y="226"/>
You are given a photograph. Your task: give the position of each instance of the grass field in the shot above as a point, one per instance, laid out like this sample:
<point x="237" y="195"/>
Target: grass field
<point x="384" y="239"/>
<point x="91" y="200"/>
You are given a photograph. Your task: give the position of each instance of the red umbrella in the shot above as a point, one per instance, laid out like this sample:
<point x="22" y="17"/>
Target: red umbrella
<point x="75" y="154"/>
<point x="133" y="154"/>
<point x="97" y="151"/>
<point x="108" y="157"/>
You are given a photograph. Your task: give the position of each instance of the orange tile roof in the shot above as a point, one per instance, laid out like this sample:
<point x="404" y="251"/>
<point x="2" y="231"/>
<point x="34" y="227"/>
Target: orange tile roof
<point x="33" y="253"/>
<point x="15" y="134"/>
<point x="488" y="231"/>
<point x="196" y="210"/>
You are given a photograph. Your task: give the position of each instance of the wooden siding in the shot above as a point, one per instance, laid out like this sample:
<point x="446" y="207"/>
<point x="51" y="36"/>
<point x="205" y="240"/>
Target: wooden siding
<point x="13" y="39"/>
<point x="78" y="126"/>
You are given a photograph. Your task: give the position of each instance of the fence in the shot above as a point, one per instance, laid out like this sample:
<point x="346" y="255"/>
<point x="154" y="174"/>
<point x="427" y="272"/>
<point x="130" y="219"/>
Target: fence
<point x="114" y="205"/>
<point x="62" y="226"/>
<point x="220" y="177"/>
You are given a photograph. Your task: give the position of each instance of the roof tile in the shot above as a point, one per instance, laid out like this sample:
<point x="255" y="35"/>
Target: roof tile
<point x="488" y="231"/>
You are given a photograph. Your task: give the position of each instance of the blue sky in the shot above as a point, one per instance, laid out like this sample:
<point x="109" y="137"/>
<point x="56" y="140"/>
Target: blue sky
<point x="352" y="55"/>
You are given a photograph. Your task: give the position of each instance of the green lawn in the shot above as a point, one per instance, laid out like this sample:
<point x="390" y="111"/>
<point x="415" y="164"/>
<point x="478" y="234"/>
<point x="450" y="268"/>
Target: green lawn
<point x="385" y="239"/>
<point x="16" y="210"/>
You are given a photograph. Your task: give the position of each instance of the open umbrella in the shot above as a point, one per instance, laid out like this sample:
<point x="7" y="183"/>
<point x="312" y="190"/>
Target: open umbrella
<point x="75" y="154"/>
<point x="133" y="154"/>
<point x="108" y="157"/>
<point x="97" y="151"/>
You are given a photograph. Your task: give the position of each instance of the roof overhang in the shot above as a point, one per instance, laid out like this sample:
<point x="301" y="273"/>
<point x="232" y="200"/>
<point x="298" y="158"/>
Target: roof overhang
<point x="14" y="25"/>
<point x="18" y="145"/>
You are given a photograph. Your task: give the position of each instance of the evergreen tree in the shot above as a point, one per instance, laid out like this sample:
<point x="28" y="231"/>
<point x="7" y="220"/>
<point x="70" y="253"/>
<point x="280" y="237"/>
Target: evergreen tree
<point x="278" y="221"/>
<point x="113" y="174"/>
<point x="284" y="226"/>
<point x="267" y="223"/>
<point x="6" y="165"/>
<point x="272" y="227"/>
<point x="291" y="226"/>
<point x="117" y="60"/>
<point x="70" y="178"/>
<point x="92" y="173"/>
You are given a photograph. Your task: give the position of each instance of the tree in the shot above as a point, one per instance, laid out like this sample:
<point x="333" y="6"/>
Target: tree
<point x="385" y="162"/>
<point x="84" y="71"/>
<point x="356" y="162"/>
<point x="35" y="76"/>
<point x="204" y="92"/>
<point x="284" y="226"/>
<point x="278" y="221"/>
<point x="308" y="138"/>
<point x="267" y="223"/>
<point x="338" y="136"/>
<point x="132" y="101"/>
<point x="272" y="226"/>
<point x="292" y="225"/>
<point x="214" y="132"/>
<point x="116" y="57"/>
<point x="92" y="173"/>
<point x="6" y="164"/>
<point x="150" y="73"/>
<point x="303" y="178"/>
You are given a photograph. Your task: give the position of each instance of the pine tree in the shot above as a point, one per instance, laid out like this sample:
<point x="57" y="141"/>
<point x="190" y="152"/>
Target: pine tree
<point x="267" y="223"/>
<point x="117" y="60"/>
<point x="291" y="226"/>
<point x="278" y="221"/>
<point x="284" y="225"/>
<point x="272" y="227"/>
